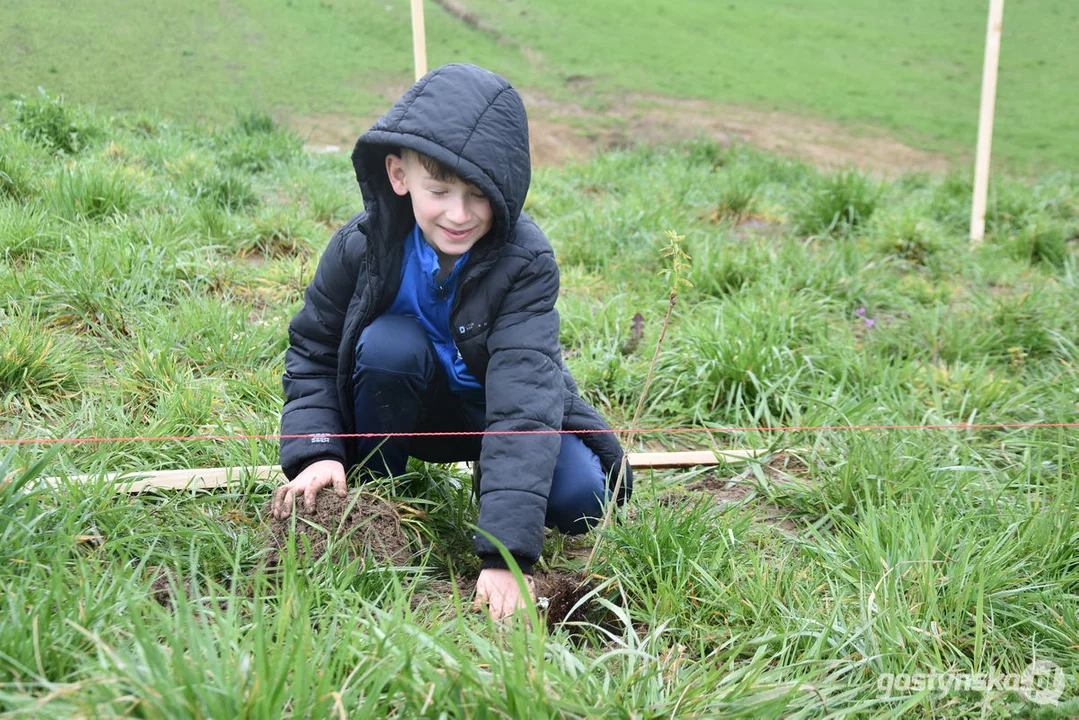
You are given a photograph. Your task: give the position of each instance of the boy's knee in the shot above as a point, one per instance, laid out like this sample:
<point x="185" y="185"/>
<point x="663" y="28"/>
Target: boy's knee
<point x="577" y="510"/>
<point x="579" y="491"/>
<point x="394" y="343"/>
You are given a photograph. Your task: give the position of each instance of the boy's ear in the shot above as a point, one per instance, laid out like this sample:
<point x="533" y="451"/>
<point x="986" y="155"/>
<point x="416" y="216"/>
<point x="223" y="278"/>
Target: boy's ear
<point x="396" y="171"/>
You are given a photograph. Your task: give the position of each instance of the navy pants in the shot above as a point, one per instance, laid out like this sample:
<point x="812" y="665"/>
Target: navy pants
<point x="400" y="386"/>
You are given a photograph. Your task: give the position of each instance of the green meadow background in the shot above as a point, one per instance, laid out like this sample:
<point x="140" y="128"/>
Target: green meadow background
<point x="911" y="69"/>
<point x="158" y="228"/>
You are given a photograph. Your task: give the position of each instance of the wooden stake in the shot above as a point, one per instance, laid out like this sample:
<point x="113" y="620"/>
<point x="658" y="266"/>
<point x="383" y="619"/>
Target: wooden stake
<point x="419" y="40"/>
<point x="209" y="478"/>
<point x="985" y="120"/>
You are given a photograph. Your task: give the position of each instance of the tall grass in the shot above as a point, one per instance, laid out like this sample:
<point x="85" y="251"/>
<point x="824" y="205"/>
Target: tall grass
<point x="56" y="125"/>
<point x="836" y="204"/>
<point x="146" y="283"/>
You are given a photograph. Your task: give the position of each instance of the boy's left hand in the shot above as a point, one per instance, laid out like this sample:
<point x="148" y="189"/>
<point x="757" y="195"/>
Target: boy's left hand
<point x="497" y="590"/>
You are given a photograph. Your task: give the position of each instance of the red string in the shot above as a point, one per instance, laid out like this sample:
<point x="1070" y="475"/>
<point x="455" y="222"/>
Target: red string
<point x="648" y="431"/>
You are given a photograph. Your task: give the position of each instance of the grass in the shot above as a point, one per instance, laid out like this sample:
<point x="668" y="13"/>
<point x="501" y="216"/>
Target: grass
<point x="910" y="70"/>
<point x="913" y="69"/>
<point x="216" y="58"/>
<point x="836" y="205"/>
<point x="146" y="282"/>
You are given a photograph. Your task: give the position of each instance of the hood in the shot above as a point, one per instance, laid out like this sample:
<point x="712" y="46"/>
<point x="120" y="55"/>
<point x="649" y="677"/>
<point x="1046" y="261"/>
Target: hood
<point x="467" y="118"/>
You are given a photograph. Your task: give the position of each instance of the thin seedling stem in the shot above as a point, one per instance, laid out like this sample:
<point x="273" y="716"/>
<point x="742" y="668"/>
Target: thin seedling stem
<point x="679" y="264"/>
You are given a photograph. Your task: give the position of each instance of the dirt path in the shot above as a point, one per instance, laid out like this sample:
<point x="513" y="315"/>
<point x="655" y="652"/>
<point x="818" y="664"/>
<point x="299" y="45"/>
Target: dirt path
<point x="562" y="132"/>
<point x="656" y="119"/>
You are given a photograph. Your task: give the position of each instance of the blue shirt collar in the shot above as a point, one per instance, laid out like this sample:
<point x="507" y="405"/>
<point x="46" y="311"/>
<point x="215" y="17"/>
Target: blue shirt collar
<point x="429" y="259"/>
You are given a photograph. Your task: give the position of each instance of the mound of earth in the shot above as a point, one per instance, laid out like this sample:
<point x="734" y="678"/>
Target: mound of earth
<point x="563" y="591"/>
<point x="557" y="594"/>
<point x="353" y="526"/>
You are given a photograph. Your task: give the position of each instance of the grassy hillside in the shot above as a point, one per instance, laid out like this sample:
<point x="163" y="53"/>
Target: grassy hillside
<point x="208" y="59"/>
<point x="147" y="273"/>
<point x="912" y="69"/>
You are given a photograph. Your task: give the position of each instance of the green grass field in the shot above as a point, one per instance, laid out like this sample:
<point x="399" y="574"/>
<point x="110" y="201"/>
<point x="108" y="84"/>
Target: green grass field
<point x="911" y="69"/>
<point x="147" y="275"/>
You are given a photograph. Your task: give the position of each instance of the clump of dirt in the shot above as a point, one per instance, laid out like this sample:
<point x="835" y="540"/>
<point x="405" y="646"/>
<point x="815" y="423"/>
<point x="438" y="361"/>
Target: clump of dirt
<point x="722" y="490"/>
<point x="563" y="591"/>
<point x="354" y="526"/>
<point x="556" y="592"/>
<point x="159" y="588"/>
<point x="164" y="580"/>
<point x="351" y="527"/>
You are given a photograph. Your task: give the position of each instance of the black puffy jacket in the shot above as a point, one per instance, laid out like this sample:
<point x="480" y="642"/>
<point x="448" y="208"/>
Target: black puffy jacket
<point x="503" y="319"/>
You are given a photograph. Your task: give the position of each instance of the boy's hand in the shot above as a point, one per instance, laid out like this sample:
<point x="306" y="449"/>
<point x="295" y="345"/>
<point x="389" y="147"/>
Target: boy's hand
<point x="313" y="478"/>
<point x="497" y="590"/>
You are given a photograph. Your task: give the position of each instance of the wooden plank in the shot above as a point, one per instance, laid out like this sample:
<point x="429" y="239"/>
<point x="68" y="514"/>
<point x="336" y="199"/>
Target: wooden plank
<point x="692" y="458"/>
<point x="659" y="460"/>
<point x="209" y="478"/>
<point x="184" y="479"/>
<point x="985" y="120"/>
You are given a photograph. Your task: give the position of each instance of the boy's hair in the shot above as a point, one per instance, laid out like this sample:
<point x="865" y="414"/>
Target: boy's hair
<point x="437" y="170"/>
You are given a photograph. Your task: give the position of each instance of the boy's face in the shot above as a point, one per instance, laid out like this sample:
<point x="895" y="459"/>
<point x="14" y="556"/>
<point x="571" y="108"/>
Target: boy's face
<point x="452" y="214"/>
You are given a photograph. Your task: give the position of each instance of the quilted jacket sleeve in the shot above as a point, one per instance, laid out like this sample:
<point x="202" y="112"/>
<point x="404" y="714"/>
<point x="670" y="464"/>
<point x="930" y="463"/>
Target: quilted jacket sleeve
<point x="524" y="392"/>
<point x="310" y="379"/>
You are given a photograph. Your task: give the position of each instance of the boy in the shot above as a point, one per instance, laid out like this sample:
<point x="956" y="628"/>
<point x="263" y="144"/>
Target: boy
<point x="433" y="311"/>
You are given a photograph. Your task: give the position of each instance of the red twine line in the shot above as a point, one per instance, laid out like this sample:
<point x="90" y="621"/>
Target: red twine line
<point x="651" y="431"/>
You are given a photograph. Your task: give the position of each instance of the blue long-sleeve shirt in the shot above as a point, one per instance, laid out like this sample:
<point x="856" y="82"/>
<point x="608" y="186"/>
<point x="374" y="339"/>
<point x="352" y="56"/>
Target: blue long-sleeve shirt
<point x="428" y="300"/>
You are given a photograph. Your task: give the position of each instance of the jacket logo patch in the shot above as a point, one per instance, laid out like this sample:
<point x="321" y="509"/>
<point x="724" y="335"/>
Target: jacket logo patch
<point x="462" y="329"/>
<point x="319" y="439"/>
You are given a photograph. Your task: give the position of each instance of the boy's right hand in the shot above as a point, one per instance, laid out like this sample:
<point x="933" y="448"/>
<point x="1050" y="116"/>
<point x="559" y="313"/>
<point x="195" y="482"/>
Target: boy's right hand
<point x="313" y="478"/>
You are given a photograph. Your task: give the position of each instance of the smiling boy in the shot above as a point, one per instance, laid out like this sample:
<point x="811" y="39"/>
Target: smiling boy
<point x="450" y="213"/>
<point x="433" y="311"/>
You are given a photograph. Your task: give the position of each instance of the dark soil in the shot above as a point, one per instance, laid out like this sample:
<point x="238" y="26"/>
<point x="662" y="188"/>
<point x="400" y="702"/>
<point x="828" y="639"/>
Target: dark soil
<point x="723" y="490"/>
<point x="164" y="580"/>
<point x="561" y="591"/>
<point x="354" y="526"/>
